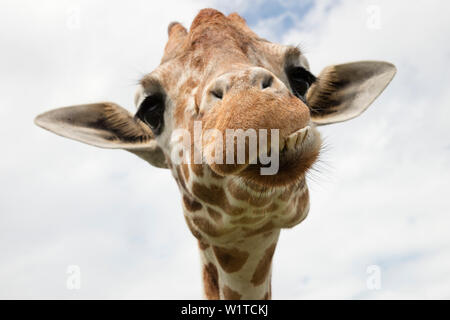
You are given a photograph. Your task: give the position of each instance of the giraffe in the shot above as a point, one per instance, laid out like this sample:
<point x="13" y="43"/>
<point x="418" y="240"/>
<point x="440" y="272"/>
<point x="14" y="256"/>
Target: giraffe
<point x="221" y="74"/>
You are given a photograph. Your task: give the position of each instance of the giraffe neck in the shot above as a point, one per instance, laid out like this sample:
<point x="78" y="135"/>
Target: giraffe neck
<point x="237" y="225"/>
<point x="240" y="271"/>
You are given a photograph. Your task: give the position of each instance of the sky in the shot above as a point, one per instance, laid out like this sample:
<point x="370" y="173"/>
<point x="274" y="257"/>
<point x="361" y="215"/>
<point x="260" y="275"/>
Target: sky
<point x="379" y="195"/>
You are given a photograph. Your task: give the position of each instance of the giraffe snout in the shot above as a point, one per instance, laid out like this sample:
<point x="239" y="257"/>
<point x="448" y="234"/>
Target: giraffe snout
<point x="255" y="78"/>
<point x="250" y="105"/>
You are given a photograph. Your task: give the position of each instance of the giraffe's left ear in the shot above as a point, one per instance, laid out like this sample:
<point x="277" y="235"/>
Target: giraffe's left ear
<point x="342" y="92"/>
<point x="104" y="125"/>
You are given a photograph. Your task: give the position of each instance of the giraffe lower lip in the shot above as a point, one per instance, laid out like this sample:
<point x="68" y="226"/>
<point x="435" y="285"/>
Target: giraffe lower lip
<point x="293" y="160"/>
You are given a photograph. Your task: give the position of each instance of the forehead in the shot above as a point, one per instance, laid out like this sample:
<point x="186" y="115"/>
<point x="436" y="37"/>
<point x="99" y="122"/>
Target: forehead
<point x="214" y="44"/>
<point x="212" y="35"/>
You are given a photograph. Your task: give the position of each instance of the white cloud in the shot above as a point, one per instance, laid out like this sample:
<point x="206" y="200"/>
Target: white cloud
<point x="380" y="199"/>
<point x="65" y="203"/>
<point x="383" y="196"/>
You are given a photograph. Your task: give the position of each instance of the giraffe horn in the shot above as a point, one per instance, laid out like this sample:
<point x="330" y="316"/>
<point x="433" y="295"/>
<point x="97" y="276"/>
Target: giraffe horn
<point x="176" y="33"/>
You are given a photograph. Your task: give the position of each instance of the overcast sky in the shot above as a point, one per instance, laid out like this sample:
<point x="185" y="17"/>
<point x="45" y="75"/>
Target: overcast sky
<point x="379" y="196"/>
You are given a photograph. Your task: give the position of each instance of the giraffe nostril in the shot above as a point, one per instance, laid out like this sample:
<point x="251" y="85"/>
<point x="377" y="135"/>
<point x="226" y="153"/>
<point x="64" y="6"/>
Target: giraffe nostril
<point x="217" y="93"/>
<point x="267" y="83"/>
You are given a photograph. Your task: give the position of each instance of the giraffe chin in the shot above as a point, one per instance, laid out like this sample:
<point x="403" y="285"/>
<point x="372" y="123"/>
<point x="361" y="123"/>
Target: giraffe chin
<point x="295" y="159"/>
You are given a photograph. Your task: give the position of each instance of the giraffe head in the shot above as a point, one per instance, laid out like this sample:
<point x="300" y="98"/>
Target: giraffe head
<point x="219" y="90"/>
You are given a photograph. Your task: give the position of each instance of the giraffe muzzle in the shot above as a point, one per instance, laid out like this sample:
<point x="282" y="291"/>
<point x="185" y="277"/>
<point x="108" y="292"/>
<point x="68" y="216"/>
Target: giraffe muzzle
<point x="274" y="119"/>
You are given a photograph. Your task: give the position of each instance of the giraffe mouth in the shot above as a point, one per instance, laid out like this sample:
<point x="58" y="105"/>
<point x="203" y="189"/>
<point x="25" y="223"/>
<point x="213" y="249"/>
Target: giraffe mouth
<point x="297" y="153"/>
<point x="296" y="148"/>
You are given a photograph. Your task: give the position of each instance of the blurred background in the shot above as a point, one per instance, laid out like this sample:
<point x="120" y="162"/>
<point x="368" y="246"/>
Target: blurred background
<point x="379" y="222"/>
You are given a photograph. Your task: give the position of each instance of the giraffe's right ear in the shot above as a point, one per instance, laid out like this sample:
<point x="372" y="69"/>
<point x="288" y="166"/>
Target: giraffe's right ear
<point x="104" y="125"/>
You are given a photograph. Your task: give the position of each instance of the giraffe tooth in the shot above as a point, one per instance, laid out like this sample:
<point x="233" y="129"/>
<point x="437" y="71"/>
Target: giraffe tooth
<point x="301" y="136"/>
<point x="305" y="136"/>
<point x="299" y="139"/>
<point x="290" y="141"/>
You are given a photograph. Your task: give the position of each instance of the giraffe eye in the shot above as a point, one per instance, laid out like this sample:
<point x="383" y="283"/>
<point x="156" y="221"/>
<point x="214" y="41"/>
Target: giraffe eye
<point x="151" y="112"/>
<point x="217" y="93"/>
<point x="300" y="80"/>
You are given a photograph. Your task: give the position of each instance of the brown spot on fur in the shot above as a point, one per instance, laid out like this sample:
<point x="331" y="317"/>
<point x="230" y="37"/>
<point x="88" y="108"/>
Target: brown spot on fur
<point x="211" y="281"/>
<point x="214" y="214"/>
<point x="197" y="169"/>
<point x="202" y="245"/>
<point x="231" y="260"/>
<point x="215" y="175"/>
<point x="243" y="195"/>
<point x="185" y="168"/>
<point x="256" y="187"/>
<point x="215" y="195"/>
<point x="207" y="227"/>
<point x="197" y="62"/>
<point x="285" y="196"/>
<point x="188" y="85"/>
<point x="269" y="209"/>
<point x="230" y="294"/>
<point x="267" y="227"/>
<point x="190" y="204"/>
<point x="267" y="234"/>
<point x="263" y="267"/>
<point x="194" y="231"/>
<point x="301" y="203"/>
<point x="247" y="220"/>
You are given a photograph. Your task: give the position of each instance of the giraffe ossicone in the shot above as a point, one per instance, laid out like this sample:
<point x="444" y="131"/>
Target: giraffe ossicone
<point x="220" y="75"/>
